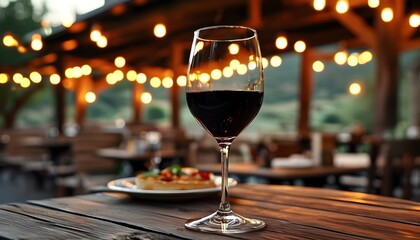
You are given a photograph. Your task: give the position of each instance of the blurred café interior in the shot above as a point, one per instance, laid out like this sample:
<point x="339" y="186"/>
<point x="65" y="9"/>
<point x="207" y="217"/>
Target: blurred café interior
<point x="99" y="94"/>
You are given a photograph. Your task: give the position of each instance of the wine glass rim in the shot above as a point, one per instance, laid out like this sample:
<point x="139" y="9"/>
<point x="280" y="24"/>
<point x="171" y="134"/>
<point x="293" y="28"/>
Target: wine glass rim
<point x="225" y="26"/>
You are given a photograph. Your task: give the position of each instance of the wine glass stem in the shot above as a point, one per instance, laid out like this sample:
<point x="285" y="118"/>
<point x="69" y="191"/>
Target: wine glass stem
<point x="224" y="155"/>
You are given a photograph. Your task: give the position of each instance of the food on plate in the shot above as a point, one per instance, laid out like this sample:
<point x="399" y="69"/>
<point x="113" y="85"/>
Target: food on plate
<point x="175" y="178"/>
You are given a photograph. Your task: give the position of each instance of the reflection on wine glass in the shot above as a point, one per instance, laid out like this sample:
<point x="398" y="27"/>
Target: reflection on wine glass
<point x="224" y="94"/>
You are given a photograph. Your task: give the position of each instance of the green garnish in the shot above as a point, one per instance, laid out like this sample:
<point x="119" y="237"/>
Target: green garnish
<point x="152" y="173"/>
<point x="175" y="170"/>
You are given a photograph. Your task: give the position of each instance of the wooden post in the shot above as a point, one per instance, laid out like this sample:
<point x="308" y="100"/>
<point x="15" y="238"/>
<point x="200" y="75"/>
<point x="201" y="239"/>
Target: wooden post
<point x="386" y="99"/>
<point x="83" y="86"/>
<point x="137" y="104"/>
<point x="305" y="94"/>
<point x="60" y="100"/>
<point x="176" y="62"/>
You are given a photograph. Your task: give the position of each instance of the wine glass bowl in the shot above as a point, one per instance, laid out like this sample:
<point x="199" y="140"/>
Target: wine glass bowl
<point x="224" y="94"/>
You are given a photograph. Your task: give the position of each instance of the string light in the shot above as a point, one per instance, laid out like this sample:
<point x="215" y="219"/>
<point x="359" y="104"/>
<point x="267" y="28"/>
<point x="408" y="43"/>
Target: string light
<point x="95" y="33"/>
<point x="204" y="77"/>
<point x="159" y="30"/>
<point x="300" y="46"/>
<point x="264" y="62"/>
<point x="342" y="6"/>
<point x="387" y="14"/>
<point x="252" y="65"/>
<point x="234" y="64"/>
<point x="242" y="69"/>
<point x="86" y="70"/>
<point x="35" y="77"/>
<point x="365" y="57"/>
<point x="155" y="82"/>
<point x="319" y="5"/>
<point x="9" y="40"/>
<point x="275" y="61"/>
<point x="69" y="73"/>
<point x="77" y="72"/>
<point x="341" y="57"/>
<point x="17" y="77"/>
<point x="110" y="79"/>
<point x="181" y="81"/>
<point x="227" y="72"/>
<point x="90" y="97"/>
<point x="146" y="98"/>
<point x="55" y="79"/>
<point x="373" y="3"/>
<point x="36" y="43"/>
<point x="233" y="48"/>
<point x="355" y="89"/>
<point x="414" y="20"/>
<point x="318" y="66"/>
<point x="131" y="75"/>
<point x="25" y="83"/>
<point x="216" y="74"/>
<point x="3" y="78"/>
<point x="353" y="59"/>
<point x="141" y="78"/>
<point x="102" y="42"/>
<point x="118" y="75"/>
<point x="167" y="82"/>
<point x="281" y="42"/>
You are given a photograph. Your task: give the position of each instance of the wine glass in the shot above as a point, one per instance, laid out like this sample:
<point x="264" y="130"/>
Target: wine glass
<point x="224" y="94"/>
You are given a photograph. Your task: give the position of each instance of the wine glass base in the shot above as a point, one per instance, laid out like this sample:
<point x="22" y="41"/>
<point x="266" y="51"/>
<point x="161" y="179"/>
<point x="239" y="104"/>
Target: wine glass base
<point x="221" y="222"/>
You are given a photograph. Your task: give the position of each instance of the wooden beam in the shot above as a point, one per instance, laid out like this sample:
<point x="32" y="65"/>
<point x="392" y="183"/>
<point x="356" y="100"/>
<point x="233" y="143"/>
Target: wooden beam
<point x="305" y="94"/>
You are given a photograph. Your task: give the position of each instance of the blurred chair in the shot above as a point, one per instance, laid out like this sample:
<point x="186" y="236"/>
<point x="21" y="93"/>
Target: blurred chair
<point x="270" y="148"/>
<point x="401" y="157"/>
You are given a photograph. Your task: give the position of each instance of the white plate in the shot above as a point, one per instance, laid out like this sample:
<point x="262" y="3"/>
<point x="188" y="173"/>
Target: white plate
<point x="128" y="185"/>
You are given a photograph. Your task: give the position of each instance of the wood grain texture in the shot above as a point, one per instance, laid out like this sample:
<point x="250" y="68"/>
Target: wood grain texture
<point x="290" y="213"/>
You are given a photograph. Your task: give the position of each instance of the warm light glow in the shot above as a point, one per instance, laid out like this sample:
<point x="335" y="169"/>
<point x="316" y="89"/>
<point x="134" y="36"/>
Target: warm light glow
<point x="119" y="62"/>
<point x="69" y="73"/>
<point x="353" y="59"/>
<point x="234" y="64"/>
<point x="159" y="30"/>
<point x="3" y="78"/>
<point x="341" y="57"/>
<point x="318" y="66"/>
<point x="198" y="47"/>
<point x="68" y="21"/>
<point x="118" y="75"/>
<point x="167" y="82"/>
<point x="204" y="77"/>
<point x="141" y="78"/>
<point x="86" y="70"/>
<point x="68" y="83"/>
<point x="355" y="89"/>
<point x="275" y="61"/>
<point x="319" y="5"/>
<point x="264" y="62"/>
<point x="242" y="69"/>
<point x="233" y="48"/>
<point x="95" y="35"/>
<point x="365" y="57"/>
<point x="102" y="42"/>
<point x="36" y="43"/>
<point x="300" y="46"/>
<point x="55" y="79"/>
<point x="387" y="14"/>
<point x="25" y="82"/>
<point x="146" y="98"/>
<point x="373" y="3"/>
<point x="77" y="72"/>
<point x="227" y="72"/>
<point x="252" y="65"/>
<point x="69" y="45"/>
<point x="155" y="82"/>
<point x="90" y="97"/>
<point x="216" y="74"/>
<point x="9" y="41"/>
<point x="281" y="42"/>
<point x="131" y="75"/>
<point x="17" y="77"/>
<point x="342" y="6"/>
<point x="414" y="20"/>
<point x="181" y="81"/>
<point x="21" y="49"/>
<point x="110" y="79"/>
<point x="35" y="77"/>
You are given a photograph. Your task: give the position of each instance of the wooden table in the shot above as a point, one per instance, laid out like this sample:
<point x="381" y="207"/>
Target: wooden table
<point x="316" y="175"/>
<point x="290" y="213"/>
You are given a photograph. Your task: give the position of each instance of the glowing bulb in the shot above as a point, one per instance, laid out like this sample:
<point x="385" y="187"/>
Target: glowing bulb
<point x="353" y="59"/>
<point x="119" y="62"/>
<point x="9" y="41"/>
<point x="35" y="77"/>
<point x="131" y="75"/>
<point x="281" y="42"/>
<point x="36" y="43"/>
<point x="17" y="77"/>
<point x="119" y="75"/>
<point x="86" y="70"/>
<point x="110" y="79"/>
<point x="319" y="5"/>
<point x="342" y="6"/>
<point x="233" y="48"/>
<point x="234" y="64"/>
<point x="69" y="73"/>
<point x="387" y="14"/>
<point x="167" y="82"/>
<point x="341" y="57"/>
<point x="252" y="65"/>
<point x="318" y="66"/>
<point x="25" y="82"/>
<point x="355" y="89"/>
<point x="77" y="72"/>
<point x="102" y="42"/>
<point x="198" y="47"/>
<point x="242" y="69"/>
<point x="300" y="46"/>
<point x="227" y="72"/>
<point x="68" y="21"/>
<point x="264" y="62"/>
<point x="95" y="35"/>
<point x="275" y="61"/>
<point x="55" y="79"/>
<point x="216" y="74"/>
<point x="159" y="30"/>
<point x="3" y="78"/>
<point x="365" y="57"/>
<point x="373" y="3"/>
<point x="146" y="98"/>
<point x="155" y="82"/>
<point x="181" y="81"/>
<point x="204" y="77"/>
<point x="90" y="97"/>
<point x="414" y="20"/>
<point x="141" y="78"/>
